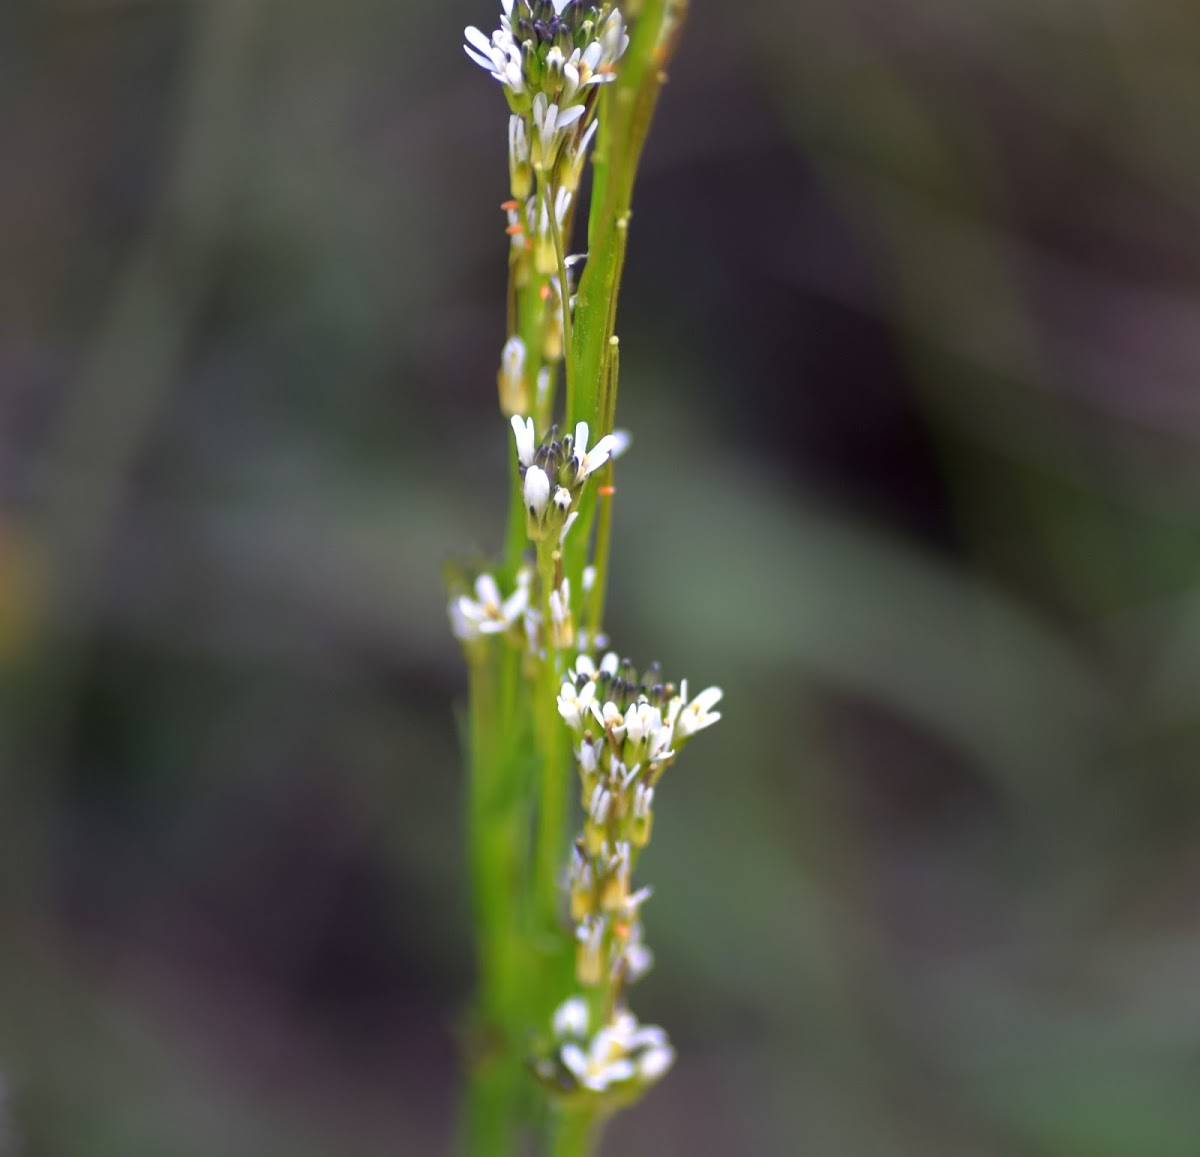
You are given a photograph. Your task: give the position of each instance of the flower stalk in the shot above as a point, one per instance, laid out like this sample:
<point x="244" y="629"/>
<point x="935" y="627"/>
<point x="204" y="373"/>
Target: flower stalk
<point x="553" y="1046"/>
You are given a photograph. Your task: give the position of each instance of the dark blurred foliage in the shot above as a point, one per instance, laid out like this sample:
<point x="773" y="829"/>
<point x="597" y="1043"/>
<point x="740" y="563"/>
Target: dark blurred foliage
<point x="911" y="342"/>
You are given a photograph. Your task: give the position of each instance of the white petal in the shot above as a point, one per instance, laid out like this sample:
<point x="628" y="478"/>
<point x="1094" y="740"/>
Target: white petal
<point x="487" y="591"/>
<point x="654" y="1062"/>
<point x="612" y="1074"/>
<point x="515" y="604"/>
<point x="537" y="491"/>
<point x="568" y="117"/>
<point x="524" y="433"/>
<point x="479" y="40"/>
<point x="575" y="1060"/>
<point x="482" y="61"/>
<point x="571" y="1018"/>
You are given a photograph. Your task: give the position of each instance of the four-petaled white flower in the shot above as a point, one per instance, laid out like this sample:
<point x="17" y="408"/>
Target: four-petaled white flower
<point x="621" y="1051"/>
<point x="488" y="613"/>
<point x="698" y="714"/>
<point x="575" y="706"/>
<point x="641" y="721"/>
<point x="587" y="462"/>
<point x="602" y="1065"/>
<point x="501" y="55"/>
<point x="610" y="718"/>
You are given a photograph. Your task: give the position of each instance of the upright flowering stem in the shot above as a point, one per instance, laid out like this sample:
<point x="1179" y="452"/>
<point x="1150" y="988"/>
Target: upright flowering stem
<point x="555" y="967"/>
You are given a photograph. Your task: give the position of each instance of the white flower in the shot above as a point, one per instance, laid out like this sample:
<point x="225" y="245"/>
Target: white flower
<point x="574" y="706"/>
<point x="487" y="613"/>
<point x="571" y="1018"/>
<point x="551" y="123"/>
<point x="464" y="629"/>
<point x="698" y="714"/>
<point x="621" y="441"/>
<point x="583" y="663"/>
<point x="614" y="40"/>
<point x="572" y="172"/>
<point x="589" y="577"/>
<point x="643" y="801"/>
<point x="610" y="718"/>
<point x="562" y="534"/>
<point x="610" y="663"/>
<point x="633" y="903"/>
<point x="513" y="392"/>
<point x="518" y="140"/>
<point x="638" y="958"/>
<point x="537" y="492"/>
<point x="641" y="721"/>
<point x="600" y="806"/>
<point x="626" y="776"/>
<point x="585" y="462"/>
<point x="523" y="427"/>
<point x="588" y="756"/>
<point x="602" y="1065"/>
<point x="560" y="603"/>
<point x="500" y="56"/>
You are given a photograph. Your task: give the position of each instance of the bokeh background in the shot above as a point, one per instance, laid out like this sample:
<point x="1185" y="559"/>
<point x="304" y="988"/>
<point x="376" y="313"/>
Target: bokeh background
<point x="911" y="354"/>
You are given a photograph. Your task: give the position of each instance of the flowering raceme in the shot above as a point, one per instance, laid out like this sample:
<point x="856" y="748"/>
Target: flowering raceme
<point x="559" y="920"/>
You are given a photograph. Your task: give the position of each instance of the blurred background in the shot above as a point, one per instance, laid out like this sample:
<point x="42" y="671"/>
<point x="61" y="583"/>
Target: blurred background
<point x="911" y="343"/>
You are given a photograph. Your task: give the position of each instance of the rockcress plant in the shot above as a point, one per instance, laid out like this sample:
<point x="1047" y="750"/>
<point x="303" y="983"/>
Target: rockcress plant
<point x="559" y="922"/>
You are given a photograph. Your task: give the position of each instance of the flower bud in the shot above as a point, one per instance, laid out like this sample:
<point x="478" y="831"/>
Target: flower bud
<point x="537" y="498"/>
<point x="512" y="382"/>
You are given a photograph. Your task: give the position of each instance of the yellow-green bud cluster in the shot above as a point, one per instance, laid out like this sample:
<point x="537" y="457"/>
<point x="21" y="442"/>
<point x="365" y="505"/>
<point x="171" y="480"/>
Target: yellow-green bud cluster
<point x="628" y="729"/>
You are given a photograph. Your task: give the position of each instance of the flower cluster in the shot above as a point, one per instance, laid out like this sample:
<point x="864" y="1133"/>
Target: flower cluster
<point x="622" y="1057"/>
<point x="628" y="729"/>
<point x="553" y="474"/>
<point x="558" y="49"/>
<point x="552" y="57"/>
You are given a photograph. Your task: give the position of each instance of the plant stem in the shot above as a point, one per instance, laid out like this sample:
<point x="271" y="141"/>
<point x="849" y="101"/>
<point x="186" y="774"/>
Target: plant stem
<point x="576" y="1133"/>
<point x="564" y="290"/>
<point x="552" y="796"/>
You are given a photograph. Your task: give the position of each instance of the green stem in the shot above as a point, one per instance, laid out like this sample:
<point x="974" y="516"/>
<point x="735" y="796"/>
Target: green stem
<point x="494" y="1104"/>
<point x="552" y="798"/>
<point x="576" y="1133"/>
<point x="564" y="289"/>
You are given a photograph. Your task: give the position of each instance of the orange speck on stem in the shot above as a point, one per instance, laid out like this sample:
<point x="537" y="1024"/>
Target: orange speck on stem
<point x="515" y="230"/>
<point x="510" y="206"/>
<point x="544" y="293"/>
<point x="606" y="491"/>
